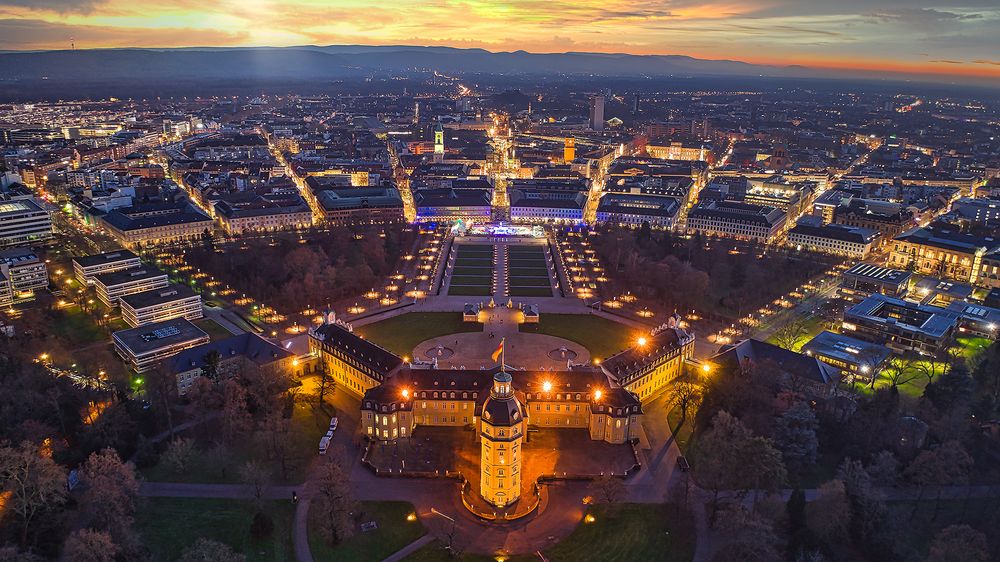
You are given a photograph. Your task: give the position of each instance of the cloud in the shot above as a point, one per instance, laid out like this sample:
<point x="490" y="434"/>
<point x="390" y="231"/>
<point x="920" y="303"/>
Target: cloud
<point x="27" y="34"/>
<point x="58" y="6"/>
<point x="921" y="18"/>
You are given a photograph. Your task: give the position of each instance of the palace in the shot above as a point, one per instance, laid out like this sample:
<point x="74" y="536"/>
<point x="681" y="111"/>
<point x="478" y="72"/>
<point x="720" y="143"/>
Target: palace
<point x="397" y="395"/>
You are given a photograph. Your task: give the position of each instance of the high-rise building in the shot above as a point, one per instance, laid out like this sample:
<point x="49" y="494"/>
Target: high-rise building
<point x="597" y="113"/>
<point x="501" y="431"/>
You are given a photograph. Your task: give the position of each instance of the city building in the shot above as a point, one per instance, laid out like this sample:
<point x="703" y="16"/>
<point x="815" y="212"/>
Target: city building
<point x="449" y="204"/>
<point x="157" y="305"/>
<point x="24" y="271"/>
<point x="236" y="354"/>
<point x="597" y="113"/>
<point x="112" y="286"/>
<point x="86" y="268"/>
<point x="856" y="359"/>
<point x="364" y="205"/>
<point x="537" y="206"/>
<point x="156" y="224"/>
<point x="23" y="221"/>
<point x="978" y="210"/>
<point x="634" y="210"/>
<point x="900" y="325"/>
<point x="943" y="253"/>
<point x="864" y="279"/>
<point x="250" y="212"/>
<point x="802" y="373"/>
<point x="145" y="347"/>
<point x="738" y="220"/>
<point x="835" y="239"/>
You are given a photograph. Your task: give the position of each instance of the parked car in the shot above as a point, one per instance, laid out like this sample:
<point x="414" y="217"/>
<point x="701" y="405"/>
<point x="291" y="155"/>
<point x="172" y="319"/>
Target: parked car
<point x="682" y="463"/>
<point x="333" y="423"/>
<point x="324" y="444"/>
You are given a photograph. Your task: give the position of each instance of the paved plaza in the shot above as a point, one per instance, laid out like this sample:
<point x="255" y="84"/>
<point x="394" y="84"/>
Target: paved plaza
<point x="523" y="350"/>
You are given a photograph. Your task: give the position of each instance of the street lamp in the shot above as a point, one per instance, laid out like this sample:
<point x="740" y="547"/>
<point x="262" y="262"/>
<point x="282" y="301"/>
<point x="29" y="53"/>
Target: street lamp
<point x="641" y="341"/>
<point x="547" y="386"/>
<point x="706" y="368"/>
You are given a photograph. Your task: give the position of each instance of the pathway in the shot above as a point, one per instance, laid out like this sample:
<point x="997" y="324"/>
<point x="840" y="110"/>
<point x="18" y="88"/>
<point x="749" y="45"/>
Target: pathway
<point x="410" y="548"/>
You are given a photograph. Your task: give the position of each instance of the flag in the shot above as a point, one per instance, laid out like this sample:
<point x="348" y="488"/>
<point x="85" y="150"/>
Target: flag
<point x="496" y="354"/>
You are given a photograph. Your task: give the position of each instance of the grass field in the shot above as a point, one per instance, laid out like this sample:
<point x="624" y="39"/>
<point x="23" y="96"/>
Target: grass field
<point x="529" y="282"/>
<point x="169" y="525"/>
<point x="472" y="273"/>
<point x="527" y="272"/>
<point x="393" y="533"/>
<point x="213" y="329"/>
<point x="622" y="532"/>
<point x="472" y="280"/>
<point x="468" y="291"/>
<point x="76" y="327"/>
<point x="400" y="334"/>
<point x="529" y="292"/>
<point x="308" y="425"/>
<point x="600" y="336"/>
<point x="469" y="270"/>
<point x="473" y="262"/>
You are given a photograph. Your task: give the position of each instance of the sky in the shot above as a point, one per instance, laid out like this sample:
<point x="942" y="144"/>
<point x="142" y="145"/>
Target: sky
<point x="913" y="36"/>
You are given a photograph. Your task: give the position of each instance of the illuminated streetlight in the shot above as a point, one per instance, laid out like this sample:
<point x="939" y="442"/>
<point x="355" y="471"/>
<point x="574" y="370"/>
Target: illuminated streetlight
<point x="547" y="386"/>
<point x="641" y="341"/>
<point x="705" y="367"/>
<point x="406" y="393"/>
<point x="598" y="394"/>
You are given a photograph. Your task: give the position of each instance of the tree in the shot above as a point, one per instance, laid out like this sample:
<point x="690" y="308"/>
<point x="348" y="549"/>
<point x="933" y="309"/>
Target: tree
<point x="205" y="550"/>
<point x="254" y="475"/>
<point x="36" y="484"/>
<point x="947" y="465"/>
<point x="686" y="396"/>
<point x="899" y="371"/>
<point x="608" y="488"/>
<point x="959" y="543"/>
<point x="795" y="435"/>
<point x="829" y="515"/>
<point x="161" y="387"/>
<point x="929" y="369"/>
<point x="210" y="365"/>
<point x="752" y="538"/>
<point x="274" y="434"/>
<point x="867" y="503"/>
<point x="179" y="453"/>
<point x="730" y="457"/>
<point x="235" y="416"/>
<point x="333" y="504"/>
<point x="789" y="334"/>
<point x="110" y="489"/>
<point x="88" y="545"/>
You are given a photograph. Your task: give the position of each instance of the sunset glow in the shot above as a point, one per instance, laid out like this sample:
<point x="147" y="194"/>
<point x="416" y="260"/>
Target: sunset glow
<point x="911" y="37"/>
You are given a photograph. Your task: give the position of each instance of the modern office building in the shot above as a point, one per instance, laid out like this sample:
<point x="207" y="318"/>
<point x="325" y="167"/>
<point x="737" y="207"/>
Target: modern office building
<point x="145" y="347"/>
<point x="112" y="286"/>
<point x="86" y="268"/>
<point x="157" y="305"/>
<point x="23" y="221"/>
<point x="856" y="359"/>
<point x="900" y="325"/>
<point x="597" y="113"/>
<point x="864" y="279"/>
<point x="24" y="271"/>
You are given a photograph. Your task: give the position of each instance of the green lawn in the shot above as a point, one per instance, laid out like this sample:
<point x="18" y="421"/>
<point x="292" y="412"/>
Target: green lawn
<point x="76" y="327"/>
<point x="169" y="525"/>
<point x="527" y="272"/>
<point x="308" y="425"/>
<point x="623" y="532"/>
<point x="972" y="346"/>
<point x="600" y="336"/>
<point x="393" y="533"/>
<point x="470" y="291"/>
<point x="474" y="262"/>
<point x="684" y="434"/>
<point x="400" y="334"/>
<point x="475" y="247"/>
<point x="213" y="329"/>
<point x="473" y="280"/>
<point x="529" y="292"/>
<point x="465" y="270"/>
<point x="529" y="281"/>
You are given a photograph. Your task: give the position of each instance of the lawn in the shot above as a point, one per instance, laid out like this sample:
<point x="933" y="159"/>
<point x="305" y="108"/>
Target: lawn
<point x="529" y="292"/>
<point x="400" y="334"/>
<point x="473" y="262"/>
<point x="466" y="270"/>
<point x="600" y="336"/>
<point x="76" y="327"/>
<point x="527" y="272"/>
<point x="630" y="531"/>
<point x="529" y="281"/>
<point x="683" y="435"/>
<point x="308" y="425"/>
<point x="169" y="525"/>
<point x="393" y="533"/>
<point x="214" y="330"/>
<point x="474" y="280"/>
<point x="470" y="291"/>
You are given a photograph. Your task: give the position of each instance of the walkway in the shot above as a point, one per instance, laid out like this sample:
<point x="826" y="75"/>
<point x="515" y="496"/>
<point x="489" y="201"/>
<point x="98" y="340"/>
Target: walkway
<point x="410" y="548"/>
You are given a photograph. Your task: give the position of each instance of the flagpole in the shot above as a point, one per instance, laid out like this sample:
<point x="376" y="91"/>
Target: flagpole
<point x="503" y="351"/>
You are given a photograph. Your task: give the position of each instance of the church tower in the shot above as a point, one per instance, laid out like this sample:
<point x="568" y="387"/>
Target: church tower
<point x="438" y="143"/>
<point x="502" y="428"/>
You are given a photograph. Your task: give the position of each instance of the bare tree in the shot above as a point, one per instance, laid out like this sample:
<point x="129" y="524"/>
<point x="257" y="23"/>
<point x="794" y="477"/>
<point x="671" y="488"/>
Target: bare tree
<point x="686" y="396"/>
<point x="274" y="434"/>
<point x="333" y="504"/>
<point x="206" y="550"/>
<point x="88" y="545"/>
<point x="109" y="493"/>
<point x="34" y="481"/>
<point x="929" y="369"/>
<point x="256" y="476"/>
<point x="899" y="371"/>
<point x="179" y="453"/>
<point x="790" y="333"/>
<point x="829" y="515"/>
<point x="959" y="543"/>
<point x="608" y="488"/>
<point x="235" y="417"/>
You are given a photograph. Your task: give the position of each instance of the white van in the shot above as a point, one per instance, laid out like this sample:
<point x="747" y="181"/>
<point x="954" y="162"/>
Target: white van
<point x="324" y="444"/>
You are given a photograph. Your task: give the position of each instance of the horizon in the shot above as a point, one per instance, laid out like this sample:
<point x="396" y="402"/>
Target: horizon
<point x="940" y="42"/>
